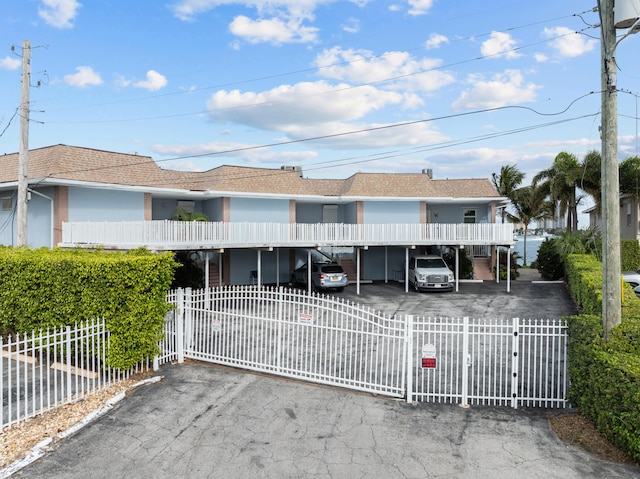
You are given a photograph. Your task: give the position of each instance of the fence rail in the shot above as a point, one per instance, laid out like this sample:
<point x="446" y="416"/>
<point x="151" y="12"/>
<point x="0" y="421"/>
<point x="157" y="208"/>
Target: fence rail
<point x="205" y="234"/>
<point x="45" y="369"/>
<point x="512" y="362"/>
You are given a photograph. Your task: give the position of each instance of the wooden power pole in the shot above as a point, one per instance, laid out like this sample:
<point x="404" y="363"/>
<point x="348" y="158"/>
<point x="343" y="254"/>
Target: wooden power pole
<point x="23" y="155"/>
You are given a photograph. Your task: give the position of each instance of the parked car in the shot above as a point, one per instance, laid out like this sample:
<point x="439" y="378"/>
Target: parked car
<point x="323" y="276"/>
<point x="430" y="272"/>
<point x="633" y="278"/>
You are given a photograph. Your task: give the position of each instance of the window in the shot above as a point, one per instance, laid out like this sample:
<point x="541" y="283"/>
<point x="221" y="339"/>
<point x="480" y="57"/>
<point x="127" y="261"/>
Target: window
<point x="188" y="206"/>
<point x="469" y="216"/>
<point x="7" y="204"/>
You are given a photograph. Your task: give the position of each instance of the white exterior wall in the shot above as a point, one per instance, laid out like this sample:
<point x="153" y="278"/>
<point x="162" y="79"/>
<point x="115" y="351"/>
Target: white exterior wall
<point x="89" y="204"/>
<point x="454" y="213"/>
<point x="39" y="217"/>
<point x="259" y="210"/>
<point x="391" y="212"/>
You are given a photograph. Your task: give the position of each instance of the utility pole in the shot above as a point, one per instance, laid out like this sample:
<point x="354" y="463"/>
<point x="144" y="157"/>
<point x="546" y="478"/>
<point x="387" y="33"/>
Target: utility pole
<point x="625" y="15"/>
<point x="23" y="155"/>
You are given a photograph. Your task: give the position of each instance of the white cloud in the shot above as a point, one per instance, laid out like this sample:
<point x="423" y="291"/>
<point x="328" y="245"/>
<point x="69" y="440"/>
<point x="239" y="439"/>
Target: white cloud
<point x="435" y="40"/>
<point x="499" y="45"/>
<point x="274" y="30"/>
<point x="419" y="7"/>
<point x="59" y="13"/>
<point x="352" y="25"/>
<point x="395" y="69"/>
<point x="8" y="63"/>
<point x="508" y="88"/>
<point x="84" y="77"/>
<point x="232" y="150"/>
<point x="155" y="81"/>
<point x="569" y="43"/>
<point x="541" y="57"/>
<point x="304" y="103"/>
<point x="304" y="111"/>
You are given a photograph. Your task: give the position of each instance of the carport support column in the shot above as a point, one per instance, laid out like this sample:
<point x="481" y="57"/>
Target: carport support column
<point x="497" y="264"/>
<point x="308" y="271"/>
<point x="259" y="269"/>
<point x="358" y="270"/>
<point x="457" y="267"/>
<point x="508" y="270"/>
<point x="406" y="270"/>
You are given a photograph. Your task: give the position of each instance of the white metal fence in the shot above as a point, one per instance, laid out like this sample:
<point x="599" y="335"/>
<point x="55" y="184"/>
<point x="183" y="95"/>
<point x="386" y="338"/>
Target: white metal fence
<point x="42" y="370"/>
<point x="326" y="340"/>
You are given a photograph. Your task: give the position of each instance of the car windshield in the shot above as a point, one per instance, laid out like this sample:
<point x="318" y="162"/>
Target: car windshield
<point x="430" y="263"/>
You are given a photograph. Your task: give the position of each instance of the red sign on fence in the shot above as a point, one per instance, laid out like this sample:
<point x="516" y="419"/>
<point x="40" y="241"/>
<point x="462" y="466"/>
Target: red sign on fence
<point x="429" y="356"/>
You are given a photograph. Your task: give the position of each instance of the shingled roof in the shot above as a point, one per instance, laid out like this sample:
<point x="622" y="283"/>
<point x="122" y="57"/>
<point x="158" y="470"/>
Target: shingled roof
<point x="63" y="162"/>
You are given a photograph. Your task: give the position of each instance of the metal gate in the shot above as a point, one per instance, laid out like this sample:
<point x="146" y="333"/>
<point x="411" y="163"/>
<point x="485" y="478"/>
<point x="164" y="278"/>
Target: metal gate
<point x="515" y="362"/>
<point x="326" y="340"/>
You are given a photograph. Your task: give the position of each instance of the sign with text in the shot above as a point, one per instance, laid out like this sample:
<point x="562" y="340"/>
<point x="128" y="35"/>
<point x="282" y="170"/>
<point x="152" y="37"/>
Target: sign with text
<point x="429" y="356"/>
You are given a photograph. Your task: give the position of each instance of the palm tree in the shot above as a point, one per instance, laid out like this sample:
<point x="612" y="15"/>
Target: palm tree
<point x="506" y="183"/>
<point x="591" y="177"/>
<point x="560" y="183"/>
<point x="530" y="204"/>
<point x="630" y="176"/>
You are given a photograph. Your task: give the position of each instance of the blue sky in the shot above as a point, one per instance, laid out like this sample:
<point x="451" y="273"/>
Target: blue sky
<point x="333" y="86"/>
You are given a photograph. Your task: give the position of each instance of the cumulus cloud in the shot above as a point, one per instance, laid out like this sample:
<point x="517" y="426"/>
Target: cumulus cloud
<point x="508" y="88"/>
<point x="84" y="76"/>
<point x="318" y="109"/>
<point x="568" y="43"/>
<point x="8" y="63"/>
<point x="435" y="40"/>
<point x="393" y="69"/>
<point x="155" y="81"/>
<point x="59" y="13"/>
<point x="419" y="7"/>
<point x="499" y="45"/>
<point x="273" y="30"/>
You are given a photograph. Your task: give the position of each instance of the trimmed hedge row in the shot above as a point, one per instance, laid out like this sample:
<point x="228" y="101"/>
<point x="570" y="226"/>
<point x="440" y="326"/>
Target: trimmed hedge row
<point x="44" y="288"/>
<point x="605" y="378"/>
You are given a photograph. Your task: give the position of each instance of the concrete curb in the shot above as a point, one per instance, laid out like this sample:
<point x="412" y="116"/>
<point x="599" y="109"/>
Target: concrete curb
<point x="44" y="446"/>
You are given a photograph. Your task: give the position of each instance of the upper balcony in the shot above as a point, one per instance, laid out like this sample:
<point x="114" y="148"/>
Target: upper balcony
<point x="200" y="235"/>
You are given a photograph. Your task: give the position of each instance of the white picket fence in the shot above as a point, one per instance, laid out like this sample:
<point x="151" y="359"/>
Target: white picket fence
<point x="45" y="369"/>
<point x="327" y="340"/>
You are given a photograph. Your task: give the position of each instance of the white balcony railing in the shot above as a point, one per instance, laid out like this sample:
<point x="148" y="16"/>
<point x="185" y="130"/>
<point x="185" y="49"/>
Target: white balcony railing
<point x="170" y="235"/>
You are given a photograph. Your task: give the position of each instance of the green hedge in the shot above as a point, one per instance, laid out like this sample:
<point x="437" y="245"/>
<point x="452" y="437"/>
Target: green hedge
<point x="629" y="255"/>
<point x="44" y="288"/>
<point x="605" y="378"/>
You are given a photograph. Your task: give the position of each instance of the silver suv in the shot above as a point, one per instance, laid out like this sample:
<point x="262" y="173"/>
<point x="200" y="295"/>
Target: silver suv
<point x="323" y="276"/>
<point x="430" y="272"/>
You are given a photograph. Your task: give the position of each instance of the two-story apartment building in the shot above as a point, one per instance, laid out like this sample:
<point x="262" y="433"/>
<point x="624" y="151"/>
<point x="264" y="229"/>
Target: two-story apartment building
<point x="265" y="217"/>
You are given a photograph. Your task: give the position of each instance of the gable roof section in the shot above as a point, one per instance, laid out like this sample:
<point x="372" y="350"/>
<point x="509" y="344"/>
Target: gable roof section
<point x="468" y="188"/>
<point x="85" y="164"/>
<point x="63" y="162"/>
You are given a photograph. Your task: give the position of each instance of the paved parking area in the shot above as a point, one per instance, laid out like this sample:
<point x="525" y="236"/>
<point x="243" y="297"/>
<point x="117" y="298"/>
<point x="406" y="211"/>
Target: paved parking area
<point x="528" y="298"/>
<point x="203" y="421"/>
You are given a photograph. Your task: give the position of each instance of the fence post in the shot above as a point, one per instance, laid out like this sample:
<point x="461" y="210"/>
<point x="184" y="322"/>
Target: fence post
<point x="68" y="343"/>
<point x="188" y="320"/>
<point x="279" y="340"/>
<point x="466" y="361"/>
<point x="180" y="326"/>
<point x="515" y="360"/>
<point x="408" y="340"/>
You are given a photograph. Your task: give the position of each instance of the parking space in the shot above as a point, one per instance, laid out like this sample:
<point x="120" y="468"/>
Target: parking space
<point x="527" y="299"/>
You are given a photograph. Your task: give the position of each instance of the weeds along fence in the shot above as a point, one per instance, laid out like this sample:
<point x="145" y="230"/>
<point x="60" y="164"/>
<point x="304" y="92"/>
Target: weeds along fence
<point x="45" y="369"/>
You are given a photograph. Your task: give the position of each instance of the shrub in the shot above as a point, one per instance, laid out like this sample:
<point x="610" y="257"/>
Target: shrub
<point x="549" y="263"/>
<point x="45" y="288"/>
